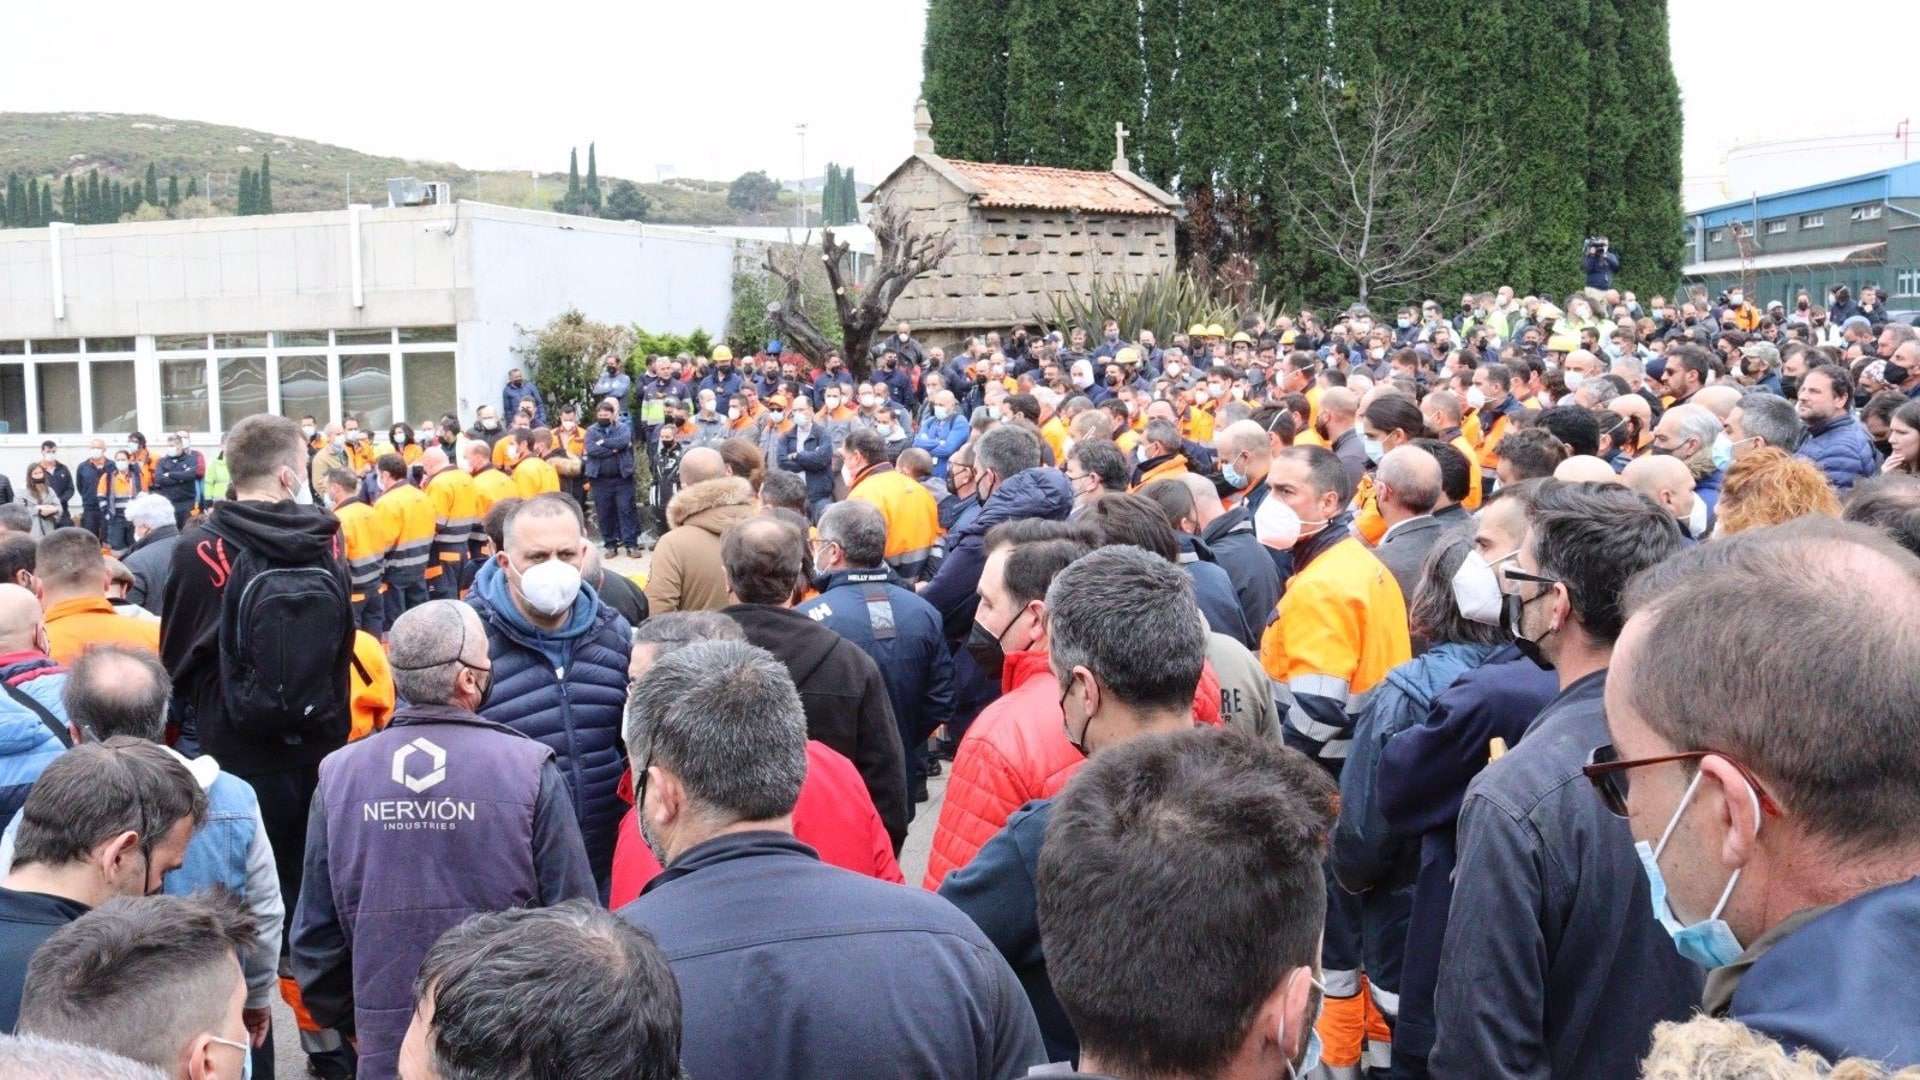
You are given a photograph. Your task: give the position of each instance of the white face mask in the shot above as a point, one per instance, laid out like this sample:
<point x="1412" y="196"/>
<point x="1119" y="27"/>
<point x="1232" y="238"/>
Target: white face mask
<point x="1476" y="398"/>
<point x="1476" y="590"/>
<point x="1575" y="380"/>
<point x="733" y="414"/>
<point x="868" y="401"/>
<point x="550" y="587"/>
<point x="1275" y="524"/>
<point x="833" y="403"/>
<point x="847" y="474"/>
<point x="1697" y="519"/>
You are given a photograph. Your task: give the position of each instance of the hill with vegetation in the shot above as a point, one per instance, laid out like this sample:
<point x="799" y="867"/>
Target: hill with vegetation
<point x="208" y="160"/>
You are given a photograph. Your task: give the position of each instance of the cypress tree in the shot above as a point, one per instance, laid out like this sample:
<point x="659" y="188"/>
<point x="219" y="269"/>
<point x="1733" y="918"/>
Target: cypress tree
<point x="152" y="188"/>
<point x="849" y="197"/>
<point x="593" y="179"/>
<point x="1033" y="83"/>
<point x="1648" y="235"/>
<point x="263" y="193"/>
<point x="1159" y="119"/>
<point x="173" y="191"/>
<point x="16" y="196"/>
<point x="573" y="177"/>
<point x="1548" y="65"/>
<point x="96" y="210"/>
<point x="193" y="187"/>
<point x="68" y="211"/>
<point x="46" y="203"/>
<point x="243" y="200"/>
<point x="135" y="195"/>
<point x="1062" y="103"/>
<point x="1610" y="122"/>
<point x="965" y="83"/>
<point x="33" y="202"/>
<point x="830" y="196"/>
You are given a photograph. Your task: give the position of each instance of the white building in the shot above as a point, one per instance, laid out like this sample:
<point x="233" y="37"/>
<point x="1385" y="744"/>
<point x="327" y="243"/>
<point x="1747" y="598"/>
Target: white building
<point x="385" y="314"/>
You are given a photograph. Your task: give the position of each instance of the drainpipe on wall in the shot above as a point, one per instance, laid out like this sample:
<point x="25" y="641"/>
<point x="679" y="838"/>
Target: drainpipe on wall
<point x="54" y="229"/>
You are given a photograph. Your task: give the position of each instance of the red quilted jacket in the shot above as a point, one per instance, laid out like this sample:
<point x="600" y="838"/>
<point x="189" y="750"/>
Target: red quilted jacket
<point x="1017" y="751"/>
<point x="835" y="816"/>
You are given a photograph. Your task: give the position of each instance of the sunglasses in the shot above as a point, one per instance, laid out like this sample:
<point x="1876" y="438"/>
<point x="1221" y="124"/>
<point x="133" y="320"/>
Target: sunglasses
<point x="1608" y="774"/>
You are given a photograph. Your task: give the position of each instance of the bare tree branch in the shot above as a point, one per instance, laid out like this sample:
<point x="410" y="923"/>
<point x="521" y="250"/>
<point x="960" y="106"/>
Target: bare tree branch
<point x="1381" y="192"/>
<point x="901" y="254"/>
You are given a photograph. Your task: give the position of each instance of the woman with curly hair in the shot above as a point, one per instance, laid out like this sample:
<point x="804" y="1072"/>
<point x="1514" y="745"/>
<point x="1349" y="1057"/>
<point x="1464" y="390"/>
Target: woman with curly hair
<point x="1769" y="486"/>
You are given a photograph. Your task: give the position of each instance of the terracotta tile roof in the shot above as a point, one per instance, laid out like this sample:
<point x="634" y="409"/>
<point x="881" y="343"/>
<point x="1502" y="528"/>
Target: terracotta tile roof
<point x="1037" y="187"/>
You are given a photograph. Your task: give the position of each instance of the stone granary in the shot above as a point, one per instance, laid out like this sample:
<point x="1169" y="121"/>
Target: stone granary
<point x="1023" y="232"/>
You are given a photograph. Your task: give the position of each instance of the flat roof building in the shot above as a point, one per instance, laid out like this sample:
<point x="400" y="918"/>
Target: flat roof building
<point x="386" y="314"/>
<point x="1857" y="231"/>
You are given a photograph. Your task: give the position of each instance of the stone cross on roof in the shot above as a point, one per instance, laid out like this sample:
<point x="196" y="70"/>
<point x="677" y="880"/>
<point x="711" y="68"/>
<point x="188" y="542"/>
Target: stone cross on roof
<point x="1120" y="134"/>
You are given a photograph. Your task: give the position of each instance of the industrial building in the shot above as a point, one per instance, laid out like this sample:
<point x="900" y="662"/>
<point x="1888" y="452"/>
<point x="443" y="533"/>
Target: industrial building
<point x="395" y="313"/>
<point x="1858" y="231"/>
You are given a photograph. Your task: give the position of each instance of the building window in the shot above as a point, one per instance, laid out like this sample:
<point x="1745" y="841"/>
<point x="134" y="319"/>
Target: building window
<point x="1717" y="236"/>
<point x="410" y="335"/>
<point x="239" y="341"/>
<point x="57" y="392"/>
<point x="183" y="395"/>
<point x="428" y="385"/>
<point x="177" y="342"/>
<point x="296" y="339"/>
<point x="1776" y="227"/>
<point x="303" y="387"/>
<point x="114" y="408"/>
<point x="1907" y="283"/>
<point x="13" y="398"/>
<point x="366" y="390"/>
<point x="109" y="344"/>
<point x="363" y="337"/>
<point x="1812" y="221"/>
<point x="243" y="388"/>
<point x="1866" y="213"/>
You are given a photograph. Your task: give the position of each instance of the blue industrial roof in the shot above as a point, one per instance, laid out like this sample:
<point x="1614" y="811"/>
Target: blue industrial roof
<point x="1900" y="181"/>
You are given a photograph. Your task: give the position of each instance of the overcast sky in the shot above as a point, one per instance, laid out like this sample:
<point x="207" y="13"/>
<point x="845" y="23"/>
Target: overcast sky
<point x="715" y="87"/>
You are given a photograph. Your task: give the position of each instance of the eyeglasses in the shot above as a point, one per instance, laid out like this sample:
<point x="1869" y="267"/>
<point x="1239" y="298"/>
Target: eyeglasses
<point x="1514" y="573"/>
<point x="1608" y="775"/>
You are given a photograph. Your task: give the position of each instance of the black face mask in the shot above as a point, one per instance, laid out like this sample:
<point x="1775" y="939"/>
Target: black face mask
<point x="1789" y="388"/>
<point x="1895" y="374"/>
<point x="1515" y="607"/>
<point x="1885" y="446"/>
<point x="985" y="648"/>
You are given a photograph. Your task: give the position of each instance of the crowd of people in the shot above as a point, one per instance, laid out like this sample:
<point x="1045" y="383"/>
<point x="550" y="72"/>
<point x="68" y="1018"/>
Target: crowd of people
<point x="1516" y="691"/>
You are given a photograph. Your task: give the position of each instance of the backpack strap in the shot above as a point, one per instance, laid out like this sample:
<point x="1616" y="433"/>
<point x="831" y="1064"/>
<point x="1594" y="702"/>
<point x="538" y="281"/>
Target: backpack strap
<point x="365" y="676"/>
<point x="52" y="722"/>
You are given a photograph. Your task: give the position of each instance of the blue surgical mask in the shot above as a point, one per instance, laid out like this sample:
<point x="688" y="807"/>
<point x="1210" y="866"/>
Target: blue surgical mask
<point x="1375" y="449"/>
<point x="1709" y="942"/>
<point x="1722" y="451"/>
<point x="1234" y="477"/>
<point x="1311" y="1060"/>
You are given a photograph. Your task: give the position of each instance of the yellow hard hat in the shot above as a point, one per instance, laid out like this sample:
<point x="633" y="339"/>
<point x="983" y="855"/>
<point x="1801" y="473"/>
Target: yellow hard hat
<point x="721" y="352"/>
<point x="1562" y="343"/>
<point x="1288" y="338"/>
<point x="1197" y="330"/>
<point x="1241" y="338"/>
<point x="1127" y="355"/>
<point x="1216" y="330"/>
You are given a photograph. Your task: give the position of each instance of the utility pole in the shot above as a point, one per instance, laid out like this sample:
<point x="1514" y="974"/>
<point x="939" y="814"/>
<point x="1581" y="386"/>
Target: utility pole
<point x="800" y="185"/>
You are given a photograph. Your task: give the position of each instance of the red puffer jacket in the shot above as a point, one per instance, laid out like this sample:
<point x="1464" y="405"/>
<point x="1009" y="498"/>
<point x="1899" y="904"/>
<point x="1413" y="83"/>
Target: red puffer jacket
<point x="1017" y="751"/>
<point x="834" y="816"/>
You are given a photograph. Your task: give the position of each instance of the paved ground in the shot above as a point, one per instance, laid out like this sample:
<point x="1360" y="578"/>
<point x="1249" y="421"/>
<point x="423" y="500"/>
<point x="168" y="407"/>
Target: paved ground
<point x="290" y="1064"/>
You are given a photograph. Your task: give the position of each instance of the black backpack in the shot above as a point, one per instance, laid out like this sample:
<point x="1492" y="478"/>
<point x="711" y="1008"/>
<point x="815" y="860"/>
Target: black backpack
<point x="286" y="639"/>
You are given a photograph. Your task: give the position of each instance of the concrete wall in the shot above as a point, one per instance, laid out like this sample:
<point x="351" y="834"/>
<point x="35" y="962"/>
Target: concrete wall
<point x="487" y="270"/>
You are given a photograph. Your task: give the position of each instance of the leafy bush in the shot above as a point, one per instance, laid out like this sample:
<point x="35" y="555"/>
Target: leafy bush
<point x="647" y="346"/>
<point x="1166" y="304"/>
<point x="563" y="357"/>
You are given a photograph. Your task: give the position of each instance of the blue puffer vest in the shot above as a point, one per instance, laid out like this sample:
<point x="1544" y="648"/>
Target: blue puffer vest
<point x="575" y="709"/>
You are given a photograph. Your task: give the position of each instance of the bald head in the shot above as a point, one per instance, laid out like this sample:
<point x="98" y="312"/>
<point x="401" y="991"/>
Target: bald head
<point x="430" y="646"/>
<point x="1409" y="481"/>
<point x="1585" y="469"/>
<point x="1441" y="409"/>
<point x="701" y="463"/>
<point x="1632" y="405"/>
<point x="1206" y="498"/>
<point x="477" y="455"/>
<point x="1663" y="478"/>
<point x="1719" y="400"/>
<point x="19" y="619"/>
<point x="1339" y="402"/>
<point x="434" y="461"/>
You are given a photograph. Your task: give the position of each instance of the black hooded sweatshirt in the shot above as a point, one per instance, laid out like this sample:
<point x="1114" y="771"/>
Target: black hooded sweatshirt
<point x="287" y="533"/>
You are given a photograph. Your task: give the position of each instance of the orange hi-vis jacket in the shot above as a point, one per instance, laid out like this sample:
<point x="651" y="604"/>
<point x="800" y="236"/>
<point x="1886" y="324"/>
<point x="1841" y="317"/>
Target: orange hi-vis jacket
<point x="489" y="487"/>
<point x="534" y="476"/>
<point x="912" y="517"/>
<point x="365" y="532"/>
<point x="456" y="512"/>
<point x="1492" y="427"/>
<point x="411" y="523"/>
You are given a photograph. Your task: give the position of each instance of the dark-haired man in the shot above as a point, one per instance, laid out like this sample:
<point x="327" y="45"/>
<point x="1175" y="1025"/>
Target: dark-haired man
<point x="1553" y="963"/>
<point x="881" y="980"/>
<point x="1124" y="937"/>
<point x="844" y="695"/>
<point x="482" y="994"/>
<point x="105" y="819"/>
<point x="1126" y="645"/>
<point x="156" y="981"/>
<point x="1775" y="826"/>
<point x="1835" y="441"/>
<point x="1341" y="626"/>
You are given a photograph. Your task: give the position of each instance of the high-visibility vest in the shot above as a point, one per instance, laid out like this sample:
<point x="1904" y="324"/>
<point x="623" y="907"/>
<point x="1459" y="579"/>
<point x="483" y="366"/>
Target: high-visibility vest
<point x="365" y="534"/>
<point x="456" y="512"/>
<point x="411" y="523"/>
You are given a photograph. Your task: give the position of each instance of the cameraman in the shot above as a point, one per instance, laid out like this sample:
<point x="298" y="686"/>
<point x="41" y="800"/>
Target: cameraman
<point x="1601" y="263"/>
